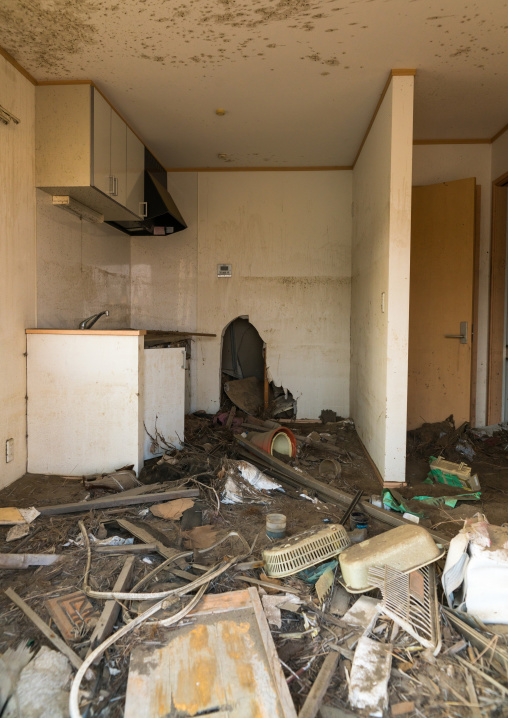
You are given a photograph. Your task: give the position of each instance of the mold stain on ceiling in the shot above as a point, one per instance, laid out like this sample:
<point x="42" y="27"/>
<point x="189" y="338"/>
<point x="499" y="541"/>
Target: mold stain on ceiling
<point x="299" y="78"/>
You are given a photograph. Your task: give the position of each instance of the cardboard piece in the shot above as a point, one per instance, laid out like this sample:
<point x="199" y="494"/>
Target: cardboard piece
<point x="172" y="510"/>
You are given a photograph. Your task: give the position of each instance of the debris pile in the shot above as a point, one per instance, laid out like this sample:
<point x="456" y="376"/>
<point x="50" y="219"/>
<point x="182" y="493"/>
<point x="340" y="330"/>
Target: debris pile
<point x="258" y="571"/>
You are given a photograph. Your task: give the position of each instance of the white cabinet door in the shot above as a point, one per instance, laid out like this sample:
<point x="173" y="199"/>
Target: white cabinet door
<point x="135" y="174"/>
<point x="164" y="399"/>
<point x="101" y="143"/>
<point x="119" y="157"/>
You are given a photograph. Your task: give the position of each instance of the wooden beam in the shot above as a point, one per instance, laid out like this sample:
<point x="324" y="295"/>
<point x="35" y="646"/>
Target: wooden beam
<point x="111" y="608"/>
<point x="286" y="473"/>
<point x="106" y="502"/>
<point x="59" y="644"/>
<point x="319" y="687"/>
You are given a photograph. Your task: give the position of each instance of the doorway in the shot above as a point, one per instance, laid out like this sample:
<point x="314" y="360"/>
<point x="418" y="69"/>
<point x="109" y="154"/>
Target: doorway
<point x="443" y="303"/>
<point x="497" y="406"/>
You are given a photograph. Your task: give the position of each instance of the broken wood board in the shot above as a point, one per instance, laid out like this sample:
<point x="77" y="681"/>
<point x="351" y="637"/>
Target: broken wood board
<point x="10" y="516"/>
<point x="247" y="394"/>
<point x="44" y="628"/>
<point x="300" y="479"/>
<point x="495" y="656"/>
<point x="107" y="502"/>
<point x="224" y="664"/>
<point x="319" y="687"/>
<point x="144" y="534"/>
<point x="72" y="614"/>
<point x="25" y="560"/>
<point x="111" y="608"/>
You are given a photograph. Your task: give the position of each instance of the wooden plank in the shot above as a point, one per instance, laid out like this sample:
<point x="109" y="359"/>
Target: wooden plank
<point x="59" y="644"/>
<point x="106" y="502"/>
<point x="319" y="687"/>
<point x="111" y="608"/>
<point x="224" y="663"/>
<point x="328" y="493"/>
<point x="128" y="548"/>
<point x="144" y="535"/>
<point x="268" y="584"/>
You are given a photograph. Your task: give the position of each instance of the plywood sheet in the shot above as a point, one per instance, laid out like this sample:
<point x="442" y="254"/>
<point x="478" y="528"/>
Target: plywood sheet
<point x="223" y="664"/>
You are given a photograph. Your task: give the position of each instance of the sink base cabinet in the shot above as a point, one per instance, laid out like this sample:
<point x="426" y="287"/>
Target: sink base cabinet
<point x="90" y="398"/>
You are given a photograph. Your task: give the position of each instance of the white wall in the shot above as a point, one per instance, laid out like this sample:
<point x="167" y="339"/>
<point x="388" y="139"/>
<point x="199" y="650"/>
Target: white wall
<point x="444" y="163"/>
<point x="82" y="268"/>
<point x="164" y="275"/>
<point x="381" y="263"/>
<point x="17" y="262"/>
<point x="287" y="235"/>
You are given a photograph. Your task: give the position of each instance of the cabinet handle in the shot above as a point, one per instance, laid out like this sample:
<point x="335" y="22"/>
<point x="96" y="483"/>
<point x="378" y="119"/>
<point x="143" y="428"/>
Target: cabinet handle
<point x="143" y="209"/>
<point x="116" y="186"/>
<point x="111" y="185"/>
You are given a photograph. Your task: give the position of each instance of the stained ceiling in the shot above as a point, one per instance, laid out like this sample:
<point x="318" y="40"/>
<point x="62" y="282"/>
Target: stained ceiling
<point x="298" y="80"/>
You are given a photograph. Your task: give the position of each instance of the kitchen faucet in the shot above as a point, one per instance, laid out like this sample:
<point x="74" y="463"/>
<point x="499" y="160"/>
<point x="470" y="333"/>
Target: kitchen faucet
<point x="88" y="323"/>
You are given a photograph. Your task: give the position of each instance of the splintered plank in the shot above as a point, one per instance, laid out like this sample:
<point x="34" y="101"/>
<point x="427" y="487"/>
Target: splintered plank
<point x="108" y="502"/>
<point x="224" y="664"/>
<point x="111" y="607"/>
<point x="58" y="643"/>
<point x="319" y="687"/>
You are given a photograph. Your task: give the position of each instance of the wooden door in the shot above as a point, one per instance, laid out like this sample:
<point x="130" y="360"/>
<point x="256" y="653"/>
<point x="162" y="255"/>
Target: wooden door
<point x="441" y="299"/>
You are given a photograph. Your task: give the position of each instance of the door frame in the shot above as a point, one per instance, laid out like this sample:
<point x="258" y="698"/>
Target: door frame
<point x="496" y="355"/>
<point x="476" y="294"/>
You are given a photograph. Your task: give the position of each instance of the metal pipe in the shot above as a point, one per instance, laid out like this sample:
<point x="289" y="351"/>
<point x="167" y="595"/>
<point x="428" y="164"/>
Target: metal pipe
<point x="90" y="321"/>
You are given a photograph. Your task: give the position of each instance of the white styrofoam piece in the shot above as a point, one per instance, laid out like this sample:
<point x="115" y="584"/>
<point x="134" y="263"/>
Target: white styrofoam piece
<point x="164" y="397"/>
<point x="370" y="672"/>
<point x="363" y="612"/>
<point x="486" y="590"/>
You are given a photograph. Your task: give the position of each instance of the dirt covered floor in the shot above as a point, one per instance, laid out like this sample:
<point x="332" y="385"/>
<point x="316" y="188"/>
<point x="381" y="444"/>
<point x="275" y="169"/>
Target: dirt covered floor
<point x="420" y="684"/>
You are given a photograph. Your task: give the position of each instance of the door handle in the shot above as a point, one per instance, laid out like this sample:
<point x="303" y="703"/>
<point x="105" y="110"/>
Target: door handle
<point x="462" y="336"/>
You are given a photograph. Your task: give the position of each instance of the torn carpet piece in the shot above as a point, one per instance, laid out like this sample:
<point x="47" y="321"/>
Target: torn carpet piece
<point x="172" y="510"/>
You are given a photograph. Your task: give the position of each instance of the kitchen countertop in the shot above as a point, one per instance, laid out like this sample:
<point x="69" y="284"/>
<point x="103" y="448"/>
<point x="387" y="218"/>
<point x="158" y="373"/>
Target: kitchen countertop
<point x="162" y="335"/>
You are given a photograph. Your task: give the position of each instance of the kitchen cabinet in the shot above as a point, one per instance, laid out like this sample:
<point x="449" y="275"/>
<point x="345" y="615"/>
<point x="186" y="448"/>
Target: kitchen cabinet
<point x="85" y="150"/>
<point x="90" y="396"/>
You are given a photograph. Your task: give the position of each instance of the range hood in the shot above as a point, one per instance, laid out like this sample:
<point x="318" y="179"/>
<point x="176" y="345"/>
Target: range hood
<point x="163" y="216"/>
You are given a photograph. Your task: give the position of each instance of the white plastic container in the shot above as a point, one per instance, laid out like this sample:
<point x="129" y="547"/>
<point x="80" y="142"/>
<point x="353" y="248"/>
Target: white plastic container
<point x="275" y="526"/>
<point x="406" y="548"/>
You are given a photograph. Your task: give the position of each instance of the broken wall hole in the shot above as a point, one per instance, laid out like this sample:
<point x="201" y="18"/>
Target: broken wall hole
<point x="245" y="376"/>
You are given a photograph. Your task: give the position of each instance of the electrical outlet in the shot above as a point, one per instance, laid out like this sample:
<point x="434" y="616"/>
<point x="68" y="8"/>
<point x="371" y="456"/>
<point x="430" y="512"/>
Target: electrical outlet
<point x="9" y="450"/>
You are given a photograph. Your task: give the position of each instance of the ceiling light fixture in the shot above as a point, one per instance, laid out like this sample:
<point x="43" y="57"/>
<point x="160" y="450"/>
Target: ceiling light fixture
<point x="223" y="156"/>
<point x="220" y="112"/>
<point x="75" y="207"/>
